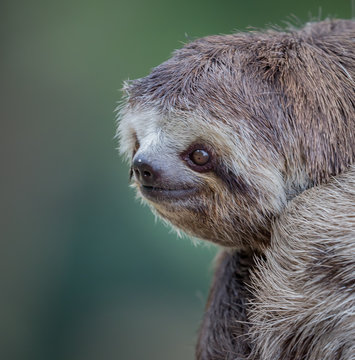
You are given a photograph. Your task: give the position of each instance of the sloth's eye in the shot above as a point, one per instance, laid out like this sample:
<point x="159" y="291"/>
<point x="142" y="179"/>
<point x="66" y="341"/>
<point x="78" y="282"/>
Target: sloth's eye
<point x="200" y="157"/>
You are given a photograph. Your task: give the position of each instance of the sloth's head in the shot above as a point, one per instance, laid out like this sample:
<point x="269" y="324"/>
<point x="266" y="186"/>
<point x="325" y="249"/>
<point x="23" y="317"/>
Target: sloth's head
<point x="229" y="129"/>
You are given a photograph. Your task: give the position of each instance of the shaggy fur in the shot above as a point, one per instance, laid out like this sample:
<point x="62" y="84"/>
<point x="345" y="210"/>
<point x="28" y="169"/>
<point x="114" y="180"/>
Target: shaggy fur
<point x="302" y="288"/>
<point x="276" y="112"/>
<point x="304" y="292"/>
<point x="226" y="310"/>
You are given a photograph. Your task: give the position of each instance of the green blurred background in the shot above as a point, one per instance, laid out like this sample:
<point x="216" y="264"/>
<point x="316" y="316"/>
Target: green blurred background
<point x="86" y="273"/>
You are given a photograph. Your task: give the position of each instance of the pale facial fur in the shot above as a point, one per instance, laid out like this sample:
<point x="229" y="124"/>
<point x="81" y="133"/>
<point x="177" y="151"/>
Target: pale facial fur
<point x="229" y="215"/>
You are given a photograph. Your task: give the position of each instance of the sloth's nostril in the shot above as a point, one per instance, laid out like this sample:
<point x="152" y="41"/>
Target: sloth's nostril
<point x="144" y="172"/>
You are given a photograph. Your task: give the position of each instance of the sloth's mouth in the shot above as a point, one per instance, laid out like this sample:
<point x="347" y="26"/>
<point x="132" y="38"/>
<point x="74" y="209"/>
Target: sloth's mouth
<point x="158" y="194"/>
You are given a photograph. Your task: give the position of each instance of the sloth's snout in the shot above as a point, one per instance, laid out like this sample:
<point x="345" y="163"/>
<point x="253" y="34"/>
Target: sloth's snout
<point x="159" y="182"/>
<point x="144" y="172"/>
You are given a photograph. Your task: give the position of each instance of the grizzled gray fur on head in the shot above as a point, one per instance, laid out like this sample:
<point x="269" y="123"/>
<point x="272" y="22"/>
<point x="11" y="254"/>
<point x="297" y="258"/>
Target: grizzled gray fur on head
<point x="276" y="110"/>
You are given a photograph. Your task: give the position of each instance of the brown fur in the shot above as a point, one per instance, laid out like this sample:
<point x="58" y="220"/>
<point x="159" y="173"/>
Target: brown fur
<point x="277" y="111"/>
<point x="226" y="310"/>
<point x="304" y="292"/>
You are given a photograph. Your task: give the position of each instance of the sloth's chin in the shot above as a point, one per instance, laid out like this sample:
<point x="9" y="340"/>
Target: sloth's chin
<point x="158" y="195"/>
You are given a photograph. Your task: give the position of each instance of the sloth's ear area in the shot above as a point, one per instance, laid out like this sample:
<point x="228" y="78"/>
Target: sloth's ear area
<point x="127" y="87"/>
<point x="316" y="94"/>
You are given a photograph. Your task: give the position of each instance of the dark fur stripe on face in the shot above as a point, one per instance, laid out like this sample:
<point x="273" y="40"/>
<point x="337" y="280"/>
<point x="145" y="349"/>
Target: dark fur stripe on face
<point x="235" y="183"/>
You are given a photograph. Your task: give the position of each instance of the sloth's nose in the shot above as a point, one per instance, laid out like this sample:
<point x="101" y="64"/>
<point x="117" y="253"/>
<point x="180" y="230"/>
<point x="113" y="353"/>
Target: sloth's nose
<point x="144" y="172"/>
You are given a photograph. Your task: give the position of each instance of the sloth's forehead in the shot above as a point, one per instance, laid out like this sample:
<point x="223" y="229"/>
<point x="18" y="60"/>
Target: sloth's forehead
<point x="178" y="130"/>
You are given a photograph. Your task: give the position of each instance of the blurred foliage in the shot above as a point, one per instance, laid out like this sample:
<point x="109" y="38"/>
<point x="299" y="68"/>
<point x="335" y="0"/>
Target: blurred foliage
<point x="85" y="272"/>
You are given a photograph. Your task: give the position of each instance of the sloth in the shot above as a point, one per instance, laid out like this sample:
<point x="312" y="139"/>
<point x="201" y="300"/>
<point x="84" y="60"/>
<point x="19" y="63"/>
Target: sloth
<point x="247" y="141"/>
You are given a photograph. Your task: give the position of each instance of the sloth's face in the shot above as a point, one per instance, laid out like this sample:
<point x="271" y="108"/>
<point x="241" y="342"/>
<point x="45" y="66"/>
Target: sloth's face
<point x="204" y="178"/>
